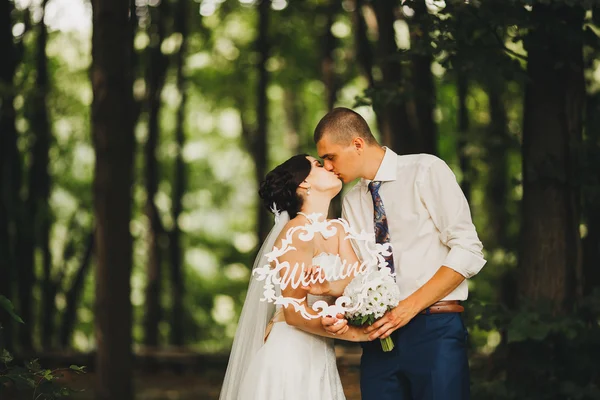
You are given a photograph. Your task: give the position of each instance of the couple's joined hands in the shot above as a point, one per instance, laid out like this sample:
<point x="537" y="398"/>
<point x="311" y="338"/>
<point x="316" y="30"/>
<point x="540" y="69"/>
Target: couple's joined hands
<point x="338" y="325"/>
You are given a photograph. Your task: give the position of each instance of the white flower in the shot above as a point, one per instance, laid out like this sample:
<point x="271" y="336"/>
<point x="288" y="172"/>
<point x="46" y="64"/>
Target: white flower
<point x="375" y="292"/>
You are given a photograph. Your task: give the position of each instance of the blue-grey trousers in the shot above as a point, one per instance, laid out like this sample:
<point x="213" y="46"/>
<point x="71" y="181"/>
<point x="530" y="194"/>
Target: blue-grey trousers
<point x="428" y="362"/>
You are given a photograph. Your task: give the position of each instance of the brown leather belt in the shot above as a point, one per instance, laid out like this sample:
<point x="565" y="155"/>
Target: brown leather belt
<point x="448" y="306"/>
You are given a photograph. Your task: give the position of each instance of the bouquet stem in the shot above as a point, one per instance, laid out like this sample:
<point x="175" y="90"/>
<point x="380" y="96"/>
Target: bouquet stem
<point x="387" y="344"/>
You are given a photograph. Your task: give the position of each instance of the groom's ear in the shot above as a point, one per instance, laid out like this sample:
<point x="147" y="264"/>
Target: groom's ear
<point x="358" y="143"/>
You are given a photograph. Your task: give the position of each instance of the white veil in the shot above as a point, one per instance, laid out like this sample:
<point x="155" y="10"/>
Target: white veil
<point x="256" y="314"/>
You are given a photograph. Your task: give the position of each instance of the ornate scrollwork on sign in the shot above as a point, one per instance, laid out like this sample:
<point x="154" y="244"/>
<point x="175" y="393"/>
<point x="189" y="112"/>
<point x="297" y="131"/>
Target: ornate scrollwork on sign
<point x="275" y="273"/>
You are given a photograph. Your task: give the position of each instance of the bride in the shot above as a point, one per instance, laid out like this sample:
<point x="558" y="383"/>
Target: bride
<point x="277" y="354"/>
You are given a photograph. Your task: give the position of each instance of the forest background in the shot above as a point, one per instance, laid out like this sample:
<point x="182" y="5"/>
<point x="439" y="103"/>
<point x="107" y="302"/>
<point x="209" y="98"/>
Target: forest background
<point x="133" y="136"/>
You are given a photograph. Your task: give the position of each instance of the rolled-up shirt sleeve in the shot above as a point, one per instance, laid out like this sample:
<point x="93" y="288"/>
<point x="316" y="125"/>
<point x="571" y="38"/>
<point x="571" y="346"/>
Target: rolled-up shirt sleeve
<point x="450" y="212"/>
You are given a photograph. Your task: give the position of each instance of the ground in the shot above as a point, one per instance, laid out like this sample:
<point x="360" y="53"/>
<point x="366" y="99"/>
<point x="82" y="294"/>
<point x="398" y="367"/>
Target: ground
<point x="206" y="385"/>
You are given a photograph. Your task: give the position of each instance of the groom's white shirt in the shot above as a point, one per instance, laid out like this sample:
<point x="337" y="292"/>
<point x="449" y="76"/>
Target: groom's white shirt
<point x="428" y="217"/>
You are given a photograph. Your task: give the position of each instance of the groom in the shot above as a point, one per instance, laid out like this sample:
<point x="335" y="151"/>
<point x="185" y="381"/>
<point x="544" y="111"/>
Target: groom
<point x="415" y="203"/>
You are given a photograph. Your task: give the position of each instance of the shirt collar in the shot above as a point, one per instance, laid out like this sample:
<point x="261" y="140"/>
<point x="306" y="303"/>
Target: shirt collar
<point x="387" y="169"/>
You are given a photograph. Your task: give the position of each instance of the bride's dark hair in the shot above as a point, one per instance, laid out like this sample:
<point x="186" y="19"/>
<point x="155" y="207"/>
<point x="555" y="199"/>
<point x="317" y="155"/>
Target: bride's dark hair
<point x="279" y="186"/>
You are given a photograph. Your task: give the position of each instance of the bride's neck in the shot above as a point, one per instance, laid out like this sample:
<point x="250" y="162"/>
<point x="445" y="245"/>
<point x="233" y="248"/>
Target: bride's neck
<point x="316" y="205"/>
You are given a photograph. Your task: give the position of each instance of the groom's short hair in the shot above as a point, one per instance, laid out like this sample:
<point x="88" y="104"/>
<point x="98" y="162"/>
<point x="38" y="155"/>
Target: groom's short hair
<point x="342" y="125"/>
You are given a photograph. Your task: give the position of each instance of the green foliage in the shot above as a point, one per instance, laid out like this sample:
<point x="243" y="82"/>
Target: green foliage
<point x="30" y="380"/>
<point x="9" y="308"/>
<point x="544" y="356"/>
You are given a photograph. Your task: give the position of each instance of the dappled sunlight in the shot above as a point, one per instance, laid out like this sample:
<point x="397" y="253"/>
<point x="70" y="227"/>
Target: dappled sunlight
<point x="223" y="310"/>
<point x="202" y="261"/>
<point x="237" y="271"/>
<point x="245" y="242"/>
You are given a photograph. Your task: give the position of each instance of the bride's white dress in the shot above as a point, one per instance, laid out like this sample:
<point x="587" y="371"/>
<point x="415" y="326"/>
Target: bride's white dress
<point x="293" y="364"/>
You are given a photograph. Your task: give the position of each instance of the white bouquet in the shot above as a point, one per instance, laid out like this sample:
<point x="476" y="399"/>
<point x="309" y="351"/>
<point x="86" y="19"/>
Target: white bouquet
<point x="372" y="295"/>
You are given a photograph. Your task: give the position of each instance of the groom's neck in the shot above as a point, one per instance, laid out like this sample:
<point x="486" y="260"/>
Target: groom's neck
<point x="373" y="156"/>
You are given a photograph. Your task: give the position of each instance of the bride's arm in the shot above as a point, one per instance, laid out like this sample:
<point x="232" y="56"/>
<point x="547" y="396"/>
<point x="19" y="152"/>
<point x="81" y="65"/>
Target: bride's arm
<point x="303" y="256"/>
<point x="336" y="288"/>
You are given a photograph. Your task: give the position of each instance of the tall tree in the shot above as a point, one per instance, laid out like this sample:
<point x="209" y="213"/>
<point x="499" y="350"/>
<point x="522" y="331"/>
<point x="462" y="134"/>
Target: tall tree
<point x="363" y="50"/>
<point x="330" y="80"/>
<point x="423" y="85"/>
<point x="498" y="147"/>
<point x="73" y="294"/>
<point x="292" y="104"/>
<point x="554" y="100"/>
<point x="177" y="279"/>
<point x="9" y="161"/>
<point x="39" y="183"/>
<point x="364" y="53"/>
<point x="156" y="75"/>
<point x="591" y="203"/>
<point x="462" y="88"/>
<point x="257" y="139"/>
<point x="591" y="242"/>
<point x="113" y="138"/>
<point x="328" y="61"/>
<point x="390" y="103"/>
<point x="550" y="255"/>
<point x="35" y="221"/>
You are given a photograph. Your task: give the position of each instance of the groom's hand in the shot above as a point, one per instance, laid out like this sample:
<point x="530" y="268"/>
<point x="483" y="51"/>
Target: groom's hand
<point x="392" y="320"/>
<point x="335" y="325"/>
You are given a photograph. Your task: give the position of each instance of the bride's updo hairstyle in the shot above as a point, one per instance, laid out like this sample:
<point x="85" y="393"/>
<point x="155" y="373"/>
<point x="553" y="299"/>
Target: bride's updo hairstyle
<point x="280" y="185"/>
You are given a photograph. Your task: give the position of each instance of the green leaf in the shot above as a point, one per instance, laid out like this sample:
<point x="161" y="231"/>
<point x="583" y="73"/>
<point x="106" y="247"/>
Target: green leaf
<point x="77" y="368"/>
<point x="8" y="306"/>
<point x="47" y="375"/>
<point x="34" y="365"/>
<point x="5" y="357"/>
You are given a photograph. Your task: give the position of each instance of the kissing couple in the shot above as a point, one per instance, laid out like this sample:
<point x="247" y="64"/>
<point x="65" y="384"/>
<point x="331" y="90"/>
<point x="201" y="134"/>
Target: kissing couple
<point x="412" y="202"/>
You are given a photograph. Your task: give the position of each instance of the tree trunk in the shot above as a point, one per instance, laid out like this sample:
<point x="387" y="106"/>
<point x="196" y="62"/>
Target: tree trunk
<point x="364" y="54"/>
<point x="9" y="163"/>
<point x="591" y="242"/>
<point x="135" y="62"/>
<point x="462" y="88"/>
<point x="293" y="114"/>
<point x="259" y="142"/>
<point x="177" y="279"/>
<point x="396" y="130"/>
<point x="498" y="147"/>
<point x="157" y="70"/>
<point x="35" y="220"/>
<point x="424" y="92"/>
<point x="327" y="62"/>
<point x="39" y="183"/>
<point x="113" y="137"/>
<point x="330" y="81"/>
<point x="73" y="295"/>
<point x="550" y="255"/>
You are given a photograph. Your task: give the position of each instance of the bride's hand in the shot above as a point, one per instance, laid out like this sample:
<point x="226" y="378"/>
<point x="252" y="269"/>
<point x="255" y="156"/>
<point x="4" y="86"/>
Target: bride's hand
<point x="318" y="285"/>
<point x="335" y="325"/>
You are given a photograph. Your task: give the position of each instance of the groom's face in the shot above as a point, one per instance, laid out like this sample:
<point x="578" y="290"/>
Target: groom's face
<point x="338" y="158"/>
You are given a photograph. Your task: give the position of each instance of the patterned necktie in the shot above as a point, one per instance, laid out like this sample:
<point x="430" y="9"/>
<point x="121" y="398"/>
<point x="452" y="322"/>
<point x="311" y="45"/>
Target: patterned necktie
<point x="382" y="231"/>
